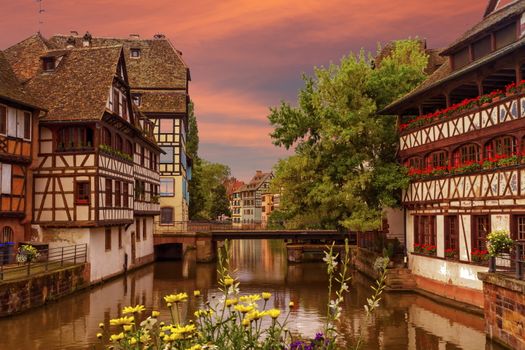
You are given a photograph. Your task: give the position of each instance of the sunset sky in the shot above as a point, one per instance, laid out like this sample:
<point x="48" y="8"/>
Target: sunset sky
<point x="245" y="56"/>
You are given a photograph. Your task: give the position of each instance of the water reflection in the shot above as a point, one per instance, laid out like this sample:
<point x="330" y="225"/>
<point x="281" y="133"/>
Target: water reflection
<point x="405" y="321"/>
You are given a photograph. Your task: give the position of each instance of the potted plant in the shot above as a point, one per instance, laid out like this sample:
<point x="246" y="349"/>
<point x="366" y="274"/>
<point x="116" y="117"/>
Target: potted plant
<point x="27" y="254"/>
<point x="479" y="256"/>
<point x="499" y="242"/>
<point x="450" y="253"/>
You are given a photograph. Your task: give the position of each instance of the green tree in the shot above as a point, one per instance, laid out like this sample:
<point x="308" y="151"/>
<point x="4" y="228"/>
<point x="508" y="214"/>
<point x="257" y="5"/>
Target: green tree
<point x="207" y="177"/>
<point x="344" y="170"/>
<point x="220" y="205"/>
<point x="192" y="139"/>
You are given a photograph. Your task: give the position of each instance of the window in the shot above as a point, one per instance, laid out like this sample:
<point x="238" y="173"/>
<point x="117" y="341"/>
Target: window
<point x="125" y="195"/>
<point x="461" y="58"/>
<point x="128" y="148"/>
<point x="137" y="99"/>
<point x="48" y="64"/>
<point x="437" y="159"/>
<point x="167" y="157"/>
<point x="3" y="120"/>
<point x="82" y="192"/>
<point x="7" y="234"/>
<point x="425" y="229"/>
<point x="137" y="229"/>
<point x="27" y="125"/>
<point x="108" y="238"/>
<point x="5" y="176"/>
<point x="109" y="193"/>
<point x="502" y="146"/>
<point x="117" y="194"/>
<point x="106" y="136"/>
<point x="451" y="233"/>
<point x="414" y="163"/>
<point x="505" y="36"/>
<point x="134" y="53"/>
<point x="166" y="126"/>
<point x="466" y="154"/>
<point x="116" y="101"/>
<point x="142" y="152"/>
<point x="77" y="138"/>
<point x="144" y="229"/>
<point x="120" y="238"/>
<point x="118" y="142"/>
<point x="124" y="107"/>
<point x="480" y="230"/>
<point x="482" y="48"/>
<point x="11" y="121"/>
<point x="166" y="215"/>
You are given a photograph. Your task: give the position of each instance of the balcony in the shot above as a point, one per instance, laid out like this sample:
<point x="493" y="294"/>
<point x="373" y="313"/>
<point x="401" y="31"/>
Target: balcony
<point x="470" y="115"/>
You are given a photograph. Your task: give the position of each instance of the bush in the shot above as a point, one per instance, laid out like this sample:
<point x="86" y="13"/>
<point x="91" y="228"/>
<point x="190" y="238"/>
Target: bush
<point x="499" y="241"/>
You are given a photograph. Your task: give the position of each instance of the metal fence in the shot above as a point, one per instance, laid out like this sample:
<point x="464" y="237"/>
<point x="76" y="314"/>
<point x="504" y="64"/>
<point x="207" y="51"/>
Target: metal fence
<point x="48" y="260"/>
<point x="510" y="263"/>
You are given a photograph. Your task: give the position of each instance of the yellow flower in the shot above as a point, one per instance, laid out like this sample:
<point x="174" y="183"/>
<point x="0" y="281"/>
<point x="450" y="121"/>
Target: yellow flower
<point x="230" y="302"/>
<point x="246" y="322"/>
<point x="250" y="298"/>
<point x="197" y="293"/>
<point x="101" y="325"/>
<point x="266" y="296"/>
<point x="176" y="298"/>
<point x="144" y="338"/>
<point x="195" y="347"/>
<point x="228" y="281"/>
<point x="121" y="321"/>
<point x="117" y="337"/>
<point x="99" y="335"/>
<point x="255" y="315"/>
<point x="203" y="313"/>
<point x="133" y="341"/>
<point x="169" y="304"/>
<point x="291" y="304"/>
<point x="133" y="309"/>
<point x="127" y="327"/>
<point x="274" y="313"/>
<point x="243" y="308"/>
<point x="155" y="314"/>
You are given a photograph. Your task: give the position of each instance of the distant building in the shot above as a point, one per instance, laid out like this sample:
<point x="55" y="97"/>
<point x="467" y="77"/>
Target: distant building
<point x="246" y="202"/>
<point x="270" y="203"/>
<point x="233" y="187"/>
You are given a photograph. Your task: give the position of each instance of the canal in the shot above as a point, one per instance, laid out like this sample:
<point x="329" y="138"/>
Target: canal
<point x="404" y="321"/>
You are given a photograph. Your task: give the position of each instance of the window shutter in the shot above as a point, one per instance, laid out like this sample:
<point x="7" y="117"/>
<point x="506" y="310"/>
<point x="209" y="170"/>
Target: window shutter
<point x="20" y="124"/>
<point x="11" y="121"/>
<point x="6" y="178"/>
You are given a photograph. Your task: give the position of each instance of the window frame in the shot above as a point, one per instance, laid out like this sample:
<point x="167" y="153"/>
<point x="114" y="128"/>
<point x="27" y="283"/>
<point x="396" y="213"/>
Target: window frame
<point x="161" y="216"/>
<point x="107" y="239"/>
<point x="78" y="200"/>
<point x="118" y="194"/>
<point x="3" y="120"/>
<point x="451" y="232"/>
<point x="137" y="230"/>
<point x="475" y="234"/>
<point x="108" y="190"/>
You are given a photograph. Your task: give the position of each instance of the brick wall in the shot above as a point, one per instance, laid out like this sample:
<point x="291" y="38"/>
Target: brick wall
<point x="504" y="309"/>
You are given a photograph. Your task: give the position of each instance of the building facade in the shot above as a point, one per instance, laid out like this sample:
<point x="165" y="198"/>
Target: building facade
<point x="96" y="178"/>
<point x="270" y="202"/>
<point x="462" y="139"/>
<point x="246" y="202"/>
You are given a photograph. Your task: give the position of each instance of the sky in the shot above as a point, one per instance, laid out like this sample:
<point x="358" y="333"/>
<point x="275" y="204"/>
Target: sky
<point x="246" y="56"/>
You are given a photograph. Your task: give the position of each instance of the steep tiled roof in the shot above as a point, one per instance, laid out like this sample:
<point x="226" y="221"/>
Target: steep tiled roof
<point x="489" y="21"/>
<point x="10" y="87"/>
<point x="78" y="88"/>
<point x="24" y="56"/>
<point x="162" y="101"/>
<point x="257" y="180"/>
<point x="160" y="65"/>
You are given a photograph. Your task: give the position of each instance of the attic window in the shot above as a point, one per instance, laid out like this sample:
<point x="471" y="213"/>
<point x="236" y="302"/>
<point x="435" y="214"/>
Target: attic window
<point x="135" y="53"/>
<point x="136" y="99"/>
<point x="48" y="64"/>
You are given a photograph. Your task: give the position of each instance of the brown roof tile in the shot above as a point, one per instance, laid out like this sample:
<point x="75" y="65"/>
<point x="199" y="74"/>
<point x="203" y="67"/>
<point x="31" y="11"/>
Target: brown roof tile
<point x="489" y="21"/>
<point x="78" y="88"/>
<point x="24" y="56"/>
<point x="162" y="101"/>
<point x="160" y="65"/>
<point x="11" y="88"/>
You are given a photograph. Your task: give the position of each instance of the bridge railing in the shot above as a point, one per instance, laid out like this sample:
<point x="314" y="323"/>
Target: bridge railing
<point x="191" y="226"/>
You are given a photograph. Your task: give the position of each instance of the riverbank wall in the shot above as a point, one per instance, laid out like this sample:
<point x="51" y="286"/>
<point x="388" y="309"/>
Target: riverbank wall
<point x="26" y="293"/>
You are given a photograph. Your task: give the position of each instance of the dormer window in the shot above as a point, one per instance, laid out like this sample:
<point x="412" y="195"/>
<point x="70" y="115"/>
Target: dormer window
<point x="135" y="53"/>
<point x="49" y="64"/>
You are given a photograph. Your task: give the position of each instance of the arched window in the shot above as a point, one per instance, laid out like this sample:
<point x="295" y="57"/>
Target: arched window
<point x="7" y="234"/>
<point x="74" y="138"/>
<point x="106" y="136"/>
<point x="467" y="154"/>
<point x="502" y="146"/>
<point x="414" y="163"/>
<point x="437" y="159"/>
<point x="118" y="142"/>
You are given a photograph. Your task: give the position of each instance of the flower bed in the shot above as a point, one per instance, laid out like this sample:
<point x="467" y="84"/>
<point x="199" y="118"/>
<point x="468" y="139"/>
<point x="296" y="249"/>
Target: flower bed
<point x="463" y="106"/>
<point x="425" y="249"/>
<point x="479" y="256"/>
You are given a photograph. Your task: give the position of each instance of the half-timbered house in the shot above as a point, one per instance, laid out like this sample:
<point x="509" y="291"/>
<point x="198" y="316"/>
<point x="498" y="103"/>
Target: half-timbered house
<point x="158" y="78"/>
<point x="18" y="124"/>
<point x="96" y="154"/>
<point x="462" y="137"/>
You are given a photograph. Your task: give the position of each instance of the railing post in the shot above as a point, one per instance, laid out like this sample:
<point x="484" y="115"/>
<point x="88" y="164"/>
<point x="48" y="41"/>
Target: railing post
<point x="75" y="257"/>
<point x="519" y="272"/>
<point x="492" y="264"/>
<point x="62" y="257"/>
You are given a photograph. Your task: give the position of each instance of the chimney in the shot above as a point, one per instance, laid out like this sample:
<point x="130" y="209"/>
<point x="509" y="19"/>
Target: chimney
<point x="159" y="36"/>
<point x="258" y="172"/>
<point x="73" y="33"/>
<point x="86" y="40"/>
<point x="134" y="36"/>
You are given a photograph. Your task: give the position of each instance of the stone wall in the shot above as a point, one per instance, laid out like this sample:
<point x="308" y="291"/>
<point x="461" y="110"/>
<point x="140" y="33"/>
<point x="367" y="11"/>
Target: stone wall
<point x="504" y="309"/>
<point x="21" y="295"/>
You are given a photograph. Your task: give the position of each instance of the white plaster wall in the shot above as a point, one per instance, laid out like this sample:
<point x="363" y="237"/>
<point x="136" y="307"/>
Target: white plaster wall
<point x="395" y="224"/>
<point x="465" y="237"/>
<point x="410" y="231"/>
<point x="440" y="235"/>
<point x="446" y="271"/>
<point x="104" y="262"/>
<point x="144" y="247"/>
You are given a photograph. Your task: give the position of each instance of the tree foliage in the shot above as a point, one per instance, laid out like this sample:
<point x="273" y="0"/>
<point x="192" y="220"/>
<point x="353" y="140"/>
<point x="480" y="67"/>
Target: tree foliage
<point x="344" y="169"/>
